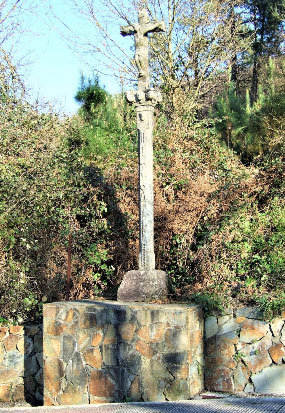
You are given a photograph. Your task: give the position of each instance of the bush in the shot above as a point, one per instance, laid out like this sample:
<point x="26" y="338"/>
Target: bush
<point x="253" y="132"/>
<point x="48" y="192"/>
<point x="91" y="95"/>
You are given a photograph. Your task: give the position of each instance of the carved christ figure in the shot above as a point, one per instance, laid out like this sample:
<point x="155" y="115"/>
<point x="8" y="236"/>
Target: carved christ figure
<point x="140" y="32"/>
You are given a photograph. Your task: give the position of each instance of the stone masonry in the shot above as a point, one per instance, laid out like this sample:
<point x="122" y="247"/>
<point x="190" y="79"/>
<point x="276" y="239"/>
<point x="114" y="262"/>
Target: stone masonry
<point x="244" y="353"/>
<point x="21" y="377"/>
<point x="98" y="352"/>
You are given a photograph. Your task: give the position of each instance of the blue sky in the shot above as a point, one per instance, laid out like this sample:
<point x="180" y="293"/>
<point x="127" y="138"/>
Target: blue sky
<point x="53" y="69"/>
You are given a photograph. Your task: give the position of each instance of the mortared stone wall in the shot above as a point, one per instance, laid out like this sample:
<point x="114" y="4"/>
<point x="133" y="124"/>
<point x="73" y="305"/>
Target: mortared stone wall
<point x="98" y="352"/>
<point x="244" y="353"/>
<point x="21" y="357"/>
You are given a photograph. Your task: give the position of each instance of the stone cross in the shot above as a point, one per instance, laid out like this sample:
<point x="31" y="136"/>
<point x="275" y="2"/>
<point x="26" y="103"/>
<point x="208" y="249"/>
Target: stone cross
<point x="146" y="283"/>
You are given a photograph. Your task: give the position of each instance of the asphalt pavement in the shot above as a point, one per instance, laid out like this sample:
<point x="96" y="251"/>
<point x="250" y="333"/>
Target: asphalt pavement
<point x="227" y="404"/>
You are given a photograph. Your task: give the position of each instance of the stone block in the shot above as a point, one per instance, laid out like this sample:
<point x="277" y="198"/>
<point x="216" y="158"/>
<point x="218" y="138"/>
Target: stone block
<point x="121" y="378"/>
<point x="10" y="342"/>
<point x="72" y="395"/>
<point x="177" y="390"/>
<point x="270" y="381"/>
<point x="39" y="357"/>
<point x="4" y="331"/>
<point x="88" y="320"/>
<point x="211" y="326"/>
<point x="231" y="337"/>
<point x="256" y="356"/>
<point x="7" y="375"/>
<point x="152" y="333"/>
<point x="16" y="330"/>
<point x="110" y="336"/>
<point x="97" y="338"/>
<point x="219" y="379"/>
<point x="282" y="336"/>
<point x="143" y="286"/>
<point x="53" y="327"/>
<point x="83" y="339"/>
<point x="38" y="343"/>
<point x="14" y="360"/>
<point x="52" y="346"/>
<point x="144" y="349"/>
<point x="31" y="366"/>
<point x="228" y="327"/>
<point x="224" y="319"/>
<point x="249" y="312"/>
<point x="132" y="362"/>
<point x="68" y="348"/>
<point x="19" y="393"/>
<point x="174" y="359"/>
<point x="101" y="385"/>
<point x="5" y="393"/>
<point x="240" y="320"/>
<point x="135" y="391"/>
<point x="276" y="327"/>
<point x="50" y="311"/>
<point x="28" y="345"/>
<point x="151" y="389"/>
<point x="21" y="345"/>
<point x="53" y="373"/>
<point x="178" y="339"/>
<point x="76" y="372"/>
<point x="253" y="330"/>
<point x="93" y="358"/>
<point x="67" y="316"/>
<point x="110" y="355"/>
<point x="156" y="368"/>
<point x="249" y="388"/>
<point x="241" y="376"/>
<point x="216" y="361"/>
<point x="277" y="353"/>
<point x="127" y="331"/>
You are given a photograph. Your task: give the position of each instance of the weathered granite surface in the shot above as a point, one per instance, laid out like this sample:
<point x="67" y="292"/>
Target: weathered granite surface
<point x="98" y="352"/>
<point x="244" y="353"/>
<point x="143" y="286"/>
<point x="21" y="377"/>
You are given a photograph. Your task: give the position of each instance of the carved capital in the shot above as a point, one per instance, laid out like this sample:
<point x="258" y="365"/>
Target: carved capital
<point x="150" y="97"/>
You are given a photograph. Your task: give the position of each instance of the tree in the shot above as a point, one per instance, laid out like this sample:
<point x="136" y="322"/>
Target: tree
<point x="90" y="94"/>
<point x="11" y="17"/>
<point x="266" y="18"/>
<point x="196" y="47"/>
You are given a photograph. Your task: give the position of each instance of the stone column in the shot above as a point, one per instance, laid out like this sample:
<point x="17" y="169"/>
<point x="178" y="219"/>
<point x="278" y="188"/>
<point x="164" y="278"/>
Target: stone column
<point x="147" y="283"/>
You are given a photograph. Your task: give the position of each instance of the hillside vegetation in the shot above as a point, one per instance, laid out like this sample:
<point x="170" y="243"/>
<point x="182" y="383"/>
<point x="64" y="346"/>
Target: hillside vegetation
<point x="218" y="163"/>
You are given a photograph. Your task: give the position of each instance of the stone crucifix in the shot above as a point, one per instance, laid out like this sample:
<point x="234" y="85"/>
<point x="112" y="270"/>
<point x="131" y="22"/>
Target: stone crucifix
<point x="147" y="283"/>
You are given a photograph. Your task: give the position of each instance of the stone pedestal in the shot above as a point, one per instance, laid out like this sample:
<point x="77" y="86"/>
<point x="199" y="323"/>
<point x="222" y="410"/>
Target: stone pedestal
<point x="98" y="352"/>
<point x="143" y="286"/>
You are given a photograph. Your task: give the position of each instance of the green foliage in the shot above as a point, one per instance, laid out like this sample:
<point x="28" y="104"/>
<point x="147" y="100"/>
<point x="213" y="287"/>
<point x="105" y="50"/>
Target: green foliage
<point x="4" y="321"/>
<point x="258" y="243"/>
<point x="109" y="135"/>
<point x="47" y="191"/>
<point x="91" y="95"/>
<point x="271" y="307"/>
<point x="211" y="303"/>
<point x="253" y="131"/>
<point x="238" y="356"/>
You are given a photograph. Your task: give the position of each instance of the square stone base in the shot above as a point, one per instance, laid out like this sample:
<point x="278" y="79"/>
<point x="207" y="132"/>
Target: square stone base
<point x="103" y="351"/>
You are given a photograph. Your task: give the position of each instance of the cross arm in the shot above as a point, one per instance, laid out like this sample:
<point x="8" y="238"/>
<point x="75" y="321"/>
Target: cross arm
<point x="128" y="30"/>
<point x="155" y="26"/>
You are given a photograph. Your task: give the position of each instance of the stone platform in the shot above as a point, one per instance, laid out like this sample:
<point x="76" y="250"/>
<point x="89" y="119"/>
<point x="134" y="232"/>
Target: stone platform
<point x="103" y="351"/>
